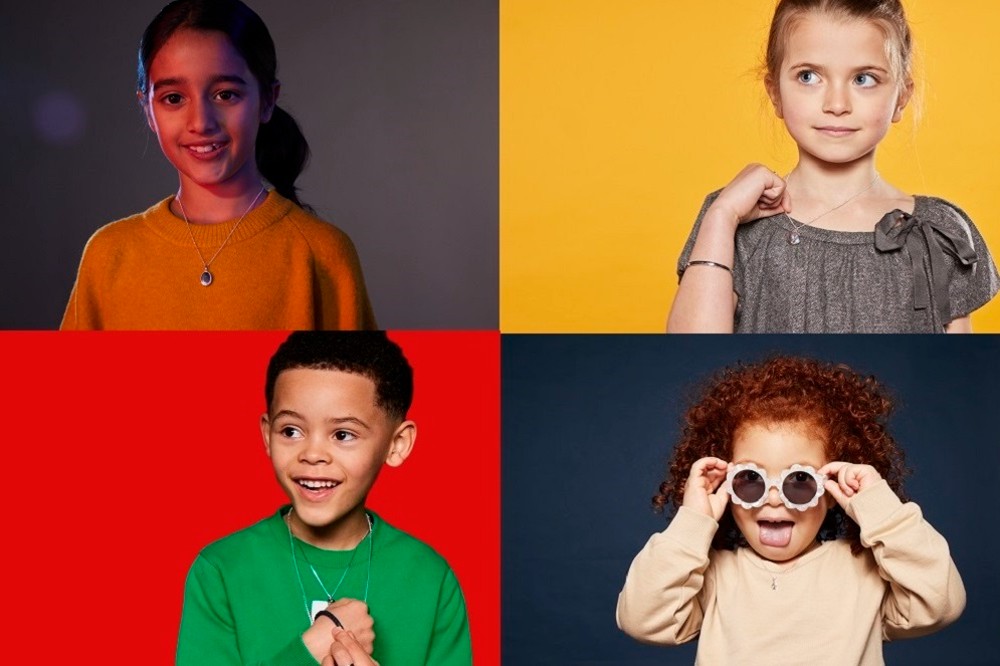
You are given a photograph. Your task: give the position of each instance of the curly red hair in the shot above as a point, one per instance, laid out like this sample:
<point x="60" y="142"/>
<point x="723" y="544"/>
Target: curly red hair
<point x="847" y="411"/>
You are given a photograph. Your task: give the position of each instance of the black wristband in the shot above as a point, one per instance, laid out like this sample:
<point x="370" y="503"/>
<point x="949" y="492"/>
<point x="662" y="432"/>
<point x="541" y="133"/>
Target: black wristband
<point x="326" y="613"/>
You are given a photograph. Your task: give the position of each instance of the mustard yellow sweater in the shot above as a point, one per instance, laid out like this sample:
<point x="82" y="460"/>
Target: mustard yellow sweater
<point x="283" y="268"/>
<point x="827" y="608"/>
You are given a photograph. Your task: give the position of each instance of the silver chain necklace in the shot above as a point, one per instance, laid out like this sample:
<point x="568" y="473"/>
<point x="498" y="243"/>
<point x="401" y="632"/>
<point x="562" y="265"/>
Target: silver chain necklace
<point x="793" y="235"/>
<point x="206" y="275"/>
<point x="330" y="596"/>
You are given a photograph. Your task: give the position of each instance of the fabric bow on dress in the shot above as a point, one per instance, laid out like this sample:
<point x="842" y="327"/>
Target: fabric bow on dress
<point x="897" y="230"/>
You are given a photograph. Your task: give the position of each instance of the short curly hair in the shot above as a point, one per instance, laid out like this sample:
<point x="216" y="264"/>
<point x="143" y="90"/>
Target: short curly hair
<point x="849" y="412"/>
<point x="370" y="354"/>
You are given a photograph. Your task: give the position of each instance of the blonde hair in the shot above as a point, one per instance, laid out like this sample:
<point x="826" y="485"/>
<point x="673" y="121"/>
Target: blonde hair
<point x="887" y="15"/>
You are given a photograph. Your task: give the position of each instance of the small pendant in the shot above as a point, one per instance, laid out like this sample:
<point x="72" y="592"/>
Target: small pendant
<point x="317" y="606"/>
<point x="206" y="278"/>
<point x="793" y="237"/>
<point x="774" y="583"/>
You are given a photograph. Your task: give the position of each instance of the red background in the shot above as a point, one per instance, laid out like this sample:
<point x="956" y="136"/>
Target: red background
<point x="128" y="452"/>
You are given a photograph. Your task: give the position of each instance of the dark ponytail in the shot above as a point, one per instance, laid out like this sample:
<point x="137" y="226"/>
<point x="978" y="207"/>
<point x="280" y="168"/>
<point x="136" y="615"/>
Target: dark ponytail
<point x="282" y="150"/>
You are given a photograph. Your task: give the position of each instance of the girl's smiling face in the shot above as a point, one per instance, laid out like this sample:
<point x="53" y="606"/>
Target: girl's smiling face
<point x="836" y="89"/>
<point x="774" y="531"/>
<point x="205" y="107"/>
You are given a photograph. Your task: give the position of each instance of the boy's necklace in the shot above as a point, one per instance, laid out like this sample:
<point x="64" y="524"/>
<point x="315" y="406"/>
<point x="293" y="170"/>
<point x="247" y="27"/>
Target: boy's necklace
<point x="206" y="276"/>
<point x="793" y="235"/>
<point x="330" y="596"/>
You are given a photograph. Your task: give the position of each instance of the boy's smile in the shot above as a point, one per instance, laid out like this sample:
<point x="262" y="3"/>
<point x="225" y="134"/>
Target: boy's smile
<point x="327" y="440"/>
<point x="774" y="531"/>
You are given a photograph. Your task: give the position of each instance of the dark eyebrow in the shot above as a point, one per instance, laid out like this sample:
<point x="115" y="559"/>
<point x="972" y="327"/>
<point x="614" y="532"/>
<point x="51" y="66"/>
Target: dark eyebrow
<point x="332" y="420"/>
<point x="218" y="78"/>
<point x="349" y="419"/>
<point x="287" y="412"/>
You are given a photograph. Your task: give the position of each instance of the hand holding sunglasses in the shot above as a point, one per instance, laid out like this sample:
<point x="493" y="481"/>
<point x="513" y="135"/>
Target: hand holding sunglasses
<point x="704" y="479"/>
<point x="847" y="479"/>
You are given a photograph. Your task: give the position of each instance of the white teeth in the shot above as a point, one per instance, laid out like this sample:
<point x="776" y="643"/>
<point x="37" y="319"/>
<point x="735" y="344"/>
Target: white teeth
<point x="205" y="149"/>
<point x="316" y="485"/>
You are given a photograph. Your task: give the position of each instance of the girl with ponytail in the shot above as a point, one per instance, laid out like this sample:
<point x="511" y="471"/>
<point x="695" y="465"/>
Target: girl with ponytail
<point x="224" y="252"/>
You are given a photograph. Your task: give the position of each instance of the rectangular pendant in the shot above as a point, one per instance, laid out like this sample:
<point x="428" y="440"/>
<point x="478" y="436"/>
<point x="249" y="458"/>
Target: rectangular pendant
<point x="317" y="606"/>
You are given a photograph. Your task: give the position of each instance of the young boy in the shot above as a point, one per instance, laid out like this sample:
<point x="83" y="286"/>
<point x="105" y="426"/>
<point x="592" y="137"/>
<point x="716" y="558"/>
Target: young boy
<point x="277" y="592"/>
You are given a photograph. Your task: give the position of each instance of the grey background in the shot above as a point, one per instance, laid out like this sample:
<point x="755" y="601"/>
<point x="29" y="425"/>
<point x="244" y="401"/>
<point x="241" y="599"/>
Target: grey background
<point x="398" y="100"/>
<point x="589" y="422"/>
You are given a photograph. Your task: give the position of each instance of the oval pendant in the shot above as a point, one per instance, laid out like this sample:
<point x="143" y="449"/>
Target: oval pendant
<point x="206" y="278"/>
<point x="793" y="238"/>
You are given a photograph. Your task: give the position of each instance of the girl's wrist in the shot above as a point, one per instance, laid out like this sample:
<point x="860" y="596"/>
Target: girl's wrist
<point x="721" y="220"/>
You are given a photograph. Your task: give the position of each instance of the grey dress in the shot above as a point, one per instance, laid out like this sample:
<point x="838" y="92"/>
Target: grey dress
<point x="913" y="274"/>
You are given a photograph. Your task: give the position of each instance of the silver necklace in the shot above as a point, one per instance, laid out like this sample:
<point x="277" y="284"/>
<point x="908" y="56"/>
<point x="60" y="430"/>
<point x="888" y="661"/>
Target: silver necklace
<point x="330" y="596"/>
<point x="206" y="276"/>
<point x="793" y="235"/>
<point x="775" y="574"/>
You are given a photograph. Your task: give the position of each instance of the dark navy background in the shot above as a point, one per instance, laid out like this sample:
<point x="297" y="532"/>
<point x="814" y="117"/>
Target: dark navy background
<point x="588" y="425"/>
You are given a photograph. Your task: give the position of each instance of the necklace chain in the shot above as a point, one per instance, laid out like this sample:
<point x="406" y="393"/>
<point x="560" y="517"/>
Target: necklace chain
<point x="370" y="535"/>
<point x="774" y="574"/>
<point x="206" y="276"/>
<point x="793" y="235"/>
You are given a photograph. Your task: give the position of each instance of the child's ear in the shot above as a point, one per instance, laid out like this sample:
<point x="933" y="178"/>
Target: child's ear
<point x="905" y="94"/>
<point x="402" y="443"/>
<point x="265" y="433"/>
<point x="269" y="101"/>
<point x="773" y="92"/>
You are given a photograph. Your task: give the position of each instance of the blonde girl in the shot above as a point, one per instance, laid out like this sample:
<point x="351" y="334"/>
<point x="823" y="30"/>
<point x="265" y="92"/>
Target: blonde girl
<point x="832" y="246"/>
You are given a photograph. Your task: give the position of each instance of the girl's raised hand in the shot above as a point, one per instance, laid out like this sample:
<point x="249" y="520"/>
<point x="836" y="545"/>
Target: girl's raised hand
<point x="755" y="192"/>
<point x="700" y="489"/>
<point x="847" y="480"/>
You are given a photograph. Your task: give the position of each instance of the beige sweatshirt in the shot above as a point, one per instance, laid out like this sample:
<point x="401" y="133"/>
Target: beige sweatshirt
<point x="827" y="607"/>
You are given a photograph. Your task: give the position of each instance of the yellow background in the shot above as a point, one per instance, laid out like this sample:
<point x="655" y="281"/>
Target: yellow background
<point x="617" y="118"/>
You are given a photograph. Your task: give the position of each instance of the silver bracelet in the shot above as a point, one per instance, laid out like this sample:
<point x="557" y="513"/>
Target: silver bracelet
<point x="703" y="262"/>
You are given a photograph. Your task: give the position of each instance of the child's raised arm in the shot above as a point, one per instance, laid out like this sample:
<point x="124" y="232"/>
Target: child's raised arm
<point x="926" y="591"/>
<point x="706" y="298"/>
<point x="661" y="601"/>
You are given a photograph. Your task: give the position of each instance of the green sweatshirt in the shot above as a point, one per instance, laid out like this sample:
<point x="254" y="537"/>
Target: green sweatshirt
<point x="243" y="603"/>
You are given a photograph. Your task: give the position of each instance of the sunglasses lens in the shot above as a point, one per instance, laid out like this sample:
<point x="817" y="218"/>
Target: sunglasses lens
<point x="799" y="487"/>
<point x="748" y="485"/>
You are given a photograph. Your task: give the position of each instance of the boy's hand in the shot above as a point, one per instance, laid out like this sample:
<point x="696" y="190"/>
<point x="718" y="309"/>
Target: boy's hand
<point x="707" y="474"/>
<point x="347" y="651"/>
<point x="847" y="480"/>
<point x="353" y="614"/>
<point x="755" y="192"/>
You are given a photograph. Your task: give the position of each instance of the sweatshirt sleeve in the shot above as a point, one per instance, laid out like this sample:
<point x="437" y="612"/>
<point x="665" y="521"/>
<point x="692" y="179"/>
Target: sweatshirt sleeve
<point x="208" y="634"/>
<point x="344" y="303"/>
<point x="450" y="644"/>
<point x="83" y="312"/>
<point x="925" y="591"/>
<point x="662" y="601"/>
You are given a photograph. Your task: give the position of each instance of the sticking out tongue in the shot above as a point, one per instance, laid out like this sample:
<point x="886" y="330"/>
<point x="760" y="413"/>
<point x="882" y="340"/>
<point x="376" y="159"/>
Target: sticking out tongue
<point x="775" y="534"/>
